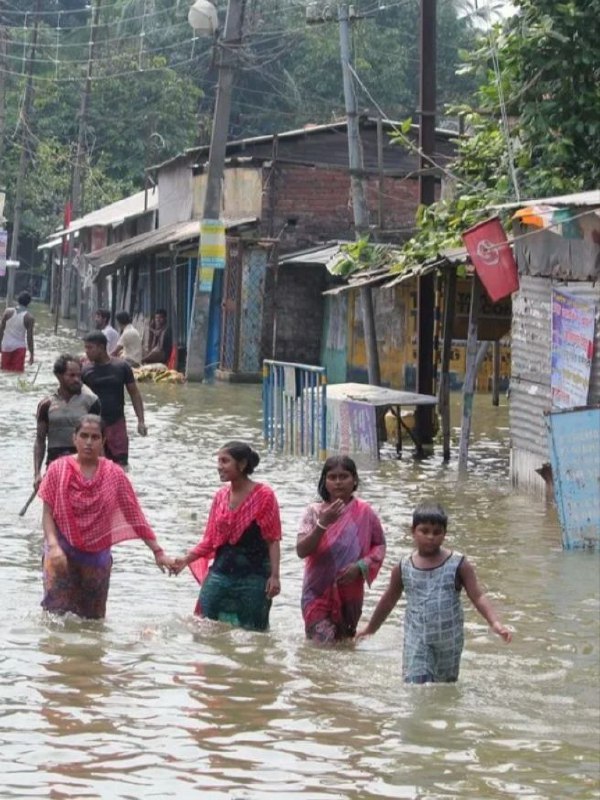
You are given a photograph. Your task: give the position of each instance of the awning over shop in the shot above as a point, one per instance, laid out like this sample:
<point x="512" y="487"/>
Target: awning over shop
<point x="109" y="259"/>
<point x="385" y="278"/>
<point x="117" y="213"/>
<point x="590" y="198"/>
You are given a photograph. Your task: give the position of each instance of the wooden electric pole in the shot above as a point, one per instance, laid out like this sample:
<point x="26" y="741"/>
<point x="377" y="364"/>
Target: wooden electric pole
<point x="426" y="286"/>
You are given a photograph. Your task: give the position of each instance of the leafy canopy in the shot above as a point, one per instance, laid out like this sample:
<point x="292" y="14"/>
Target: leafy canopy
<point x="547" y="87"/>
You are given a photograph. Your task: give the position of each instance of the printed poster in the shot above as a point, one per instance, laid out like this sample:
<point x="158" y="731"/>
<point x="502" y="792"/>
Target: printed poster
<point x="351" y="427"/>
<point x="573" y="321"/>
<point x="574" y="438"/>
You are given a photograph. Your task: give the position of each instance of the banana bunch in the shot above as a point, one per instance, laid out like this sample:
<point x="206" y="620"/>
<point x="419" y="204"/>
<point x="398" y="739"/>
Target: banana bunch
<point x="157" y="373"/>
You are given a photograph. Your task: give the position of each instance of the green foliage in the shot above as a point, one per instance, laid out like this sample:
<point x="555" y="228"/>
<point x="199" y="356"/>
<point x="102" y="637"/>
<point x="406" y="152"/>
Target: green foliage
<point x="549" y="88"/>
<point x="292" y="76"/>
<point x="143" y="108"/>
<point x="359" y="255"/>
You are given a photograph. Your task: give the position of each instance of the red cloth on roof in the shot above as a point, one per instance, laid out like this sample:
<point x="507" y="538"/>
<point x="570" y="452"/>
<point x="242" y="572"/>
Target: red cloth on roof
<point x="93" y="514"/>
<point x="226" y="525"/>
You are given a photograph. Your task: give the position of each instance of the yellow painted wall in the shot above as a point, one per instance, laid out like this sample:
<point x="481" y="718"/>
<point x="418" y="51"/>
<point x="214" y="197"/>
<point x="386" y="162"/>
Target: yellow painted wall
<point x="396" y="324"/>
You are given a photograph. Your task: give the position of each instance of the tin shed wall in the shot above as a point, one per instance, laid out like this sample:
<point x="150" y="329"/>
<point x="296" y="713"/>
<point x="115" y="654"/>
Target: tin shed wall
<point x="531" y="372"/>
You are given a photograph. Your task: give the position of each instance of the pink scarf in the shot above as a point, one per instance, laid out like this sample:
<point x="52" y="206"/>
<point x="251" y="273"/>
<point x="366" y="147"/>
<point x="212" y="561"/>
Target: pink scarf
<point x="226" y="525"/>
<point x="93" y="514"/>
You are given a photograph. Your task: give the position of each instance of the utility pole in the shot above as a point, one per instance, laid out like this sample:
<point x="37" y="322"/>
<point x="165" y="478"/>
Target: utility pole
<point x="79" y="165"/>
<point x="23" y="158"/>
<point x="426" y="287"/>
<point x="212" y="218"/>
<point x="359" y="200"/>
<point x="3" y="35"/>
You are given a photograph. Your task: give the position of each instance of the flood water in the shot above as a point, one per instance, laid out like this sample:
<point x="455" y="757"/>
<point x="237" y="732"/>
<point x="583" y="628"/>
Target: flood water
<point x="152" y="703"/>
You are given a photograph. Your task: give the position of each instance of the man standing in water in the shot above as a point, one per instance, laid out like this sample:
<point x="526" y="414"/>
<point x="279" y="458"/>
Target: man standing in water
<point x="102" y="323"/>
<point x="129" y="345"/>
<point x="16" y="331"/>
<point x="108" y="378"/>
<point x="58" y="415"/>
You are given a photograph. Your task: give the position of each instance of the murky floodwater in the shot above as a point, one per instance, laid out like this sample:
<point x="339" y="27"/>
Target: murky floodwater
<point x="151" y="703"/>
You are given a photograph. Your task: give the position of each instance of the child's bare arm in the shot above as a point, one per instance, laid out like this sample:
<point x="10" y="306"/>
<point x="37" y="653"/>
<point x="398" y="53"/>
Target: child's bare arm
<point x="386" y="603"/>
<point x="480" y="600"/>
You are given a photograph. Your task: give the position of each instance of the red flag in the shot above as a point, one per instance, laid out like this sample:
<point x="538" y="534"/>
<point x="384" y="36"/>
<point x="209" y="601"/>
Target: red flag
<point x="66" y="222"/>
<point x="492" y="258"/>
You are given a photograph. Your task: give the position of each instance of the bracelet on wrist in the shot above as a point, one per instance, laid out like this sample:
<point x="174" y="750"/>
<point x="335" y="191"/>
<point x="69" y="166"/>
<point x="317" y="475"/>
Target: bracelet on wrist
<point x="322" y="527"/>
<point x="158" y="552"/>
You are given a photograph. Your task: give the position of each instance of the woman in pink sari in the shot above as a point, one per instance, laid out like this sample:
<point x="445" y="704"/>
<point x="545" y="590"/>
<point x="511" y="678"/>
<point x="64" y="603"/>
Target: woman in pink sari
<point x="342" y="542"/>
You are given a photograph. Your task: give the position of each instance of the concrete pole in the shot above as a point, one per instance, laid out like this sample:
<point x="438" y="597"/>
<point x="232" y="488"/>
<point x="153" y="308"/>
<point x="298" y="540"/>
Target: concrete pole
<point x="198" y="331"/>
<point x="78" y="171"/>
<point x="23" y="160"/>
<point x="470" y="376"/>
<point x="426" y="292"/>
<point x="359" y="200"/>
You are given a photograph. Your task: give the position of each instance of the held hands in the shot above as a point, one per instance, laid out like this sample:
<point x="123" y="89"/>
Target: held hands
<point x="177" y="565"/>
<point x="331" y="513"/>
<point x="163" y="562"/>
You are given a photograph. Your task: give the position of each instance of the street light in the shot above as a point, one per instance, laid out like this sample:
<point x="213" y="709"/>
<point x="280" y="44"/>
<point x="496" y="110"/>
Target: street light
<point x="203" y="18"/>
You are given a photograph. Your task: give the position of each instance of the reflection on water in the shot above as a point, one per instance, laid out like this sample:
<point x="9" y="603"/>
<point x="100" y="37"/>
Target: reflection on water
<point x="153" y="703"/>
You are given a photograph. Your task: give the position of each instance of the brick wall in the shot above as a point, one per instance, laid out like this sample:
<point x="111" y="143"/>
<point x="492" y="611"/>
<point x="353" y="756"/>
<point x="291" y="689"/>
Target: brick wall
<point x="299" y="308"/>
<point x="313" y="204"/>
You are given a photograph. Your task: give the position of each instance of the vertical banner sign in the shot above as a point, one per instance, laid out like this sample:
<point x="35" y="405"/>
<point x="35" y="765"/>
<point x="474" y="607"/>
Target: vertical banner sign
<point x="211" y="251"/>
<point x="492" y="258"/>
<point x="3" y="241"/>
<point x="573" y="322"/>
<point x="574" y="444"/>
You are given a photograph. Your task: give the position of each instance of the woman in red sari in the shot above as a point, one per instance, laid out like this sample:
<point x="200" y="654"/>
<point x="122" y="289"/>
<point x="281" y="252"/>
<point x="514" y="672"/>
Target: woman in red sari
<point x="242" y="540"/>
<point x="343" y="545"/>
<point x="89" y="505"/>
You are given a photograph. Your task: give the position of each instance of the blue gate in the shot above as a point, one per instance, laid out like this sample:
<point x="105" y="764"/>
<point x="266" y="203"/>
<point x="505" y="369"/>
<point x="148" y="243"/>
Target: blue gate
<point x="294" y="408"/>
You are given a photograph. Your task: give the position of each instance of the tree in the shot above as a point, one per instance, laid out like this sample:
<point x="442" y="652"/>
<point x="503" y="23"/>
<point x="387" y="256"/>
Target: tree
<point x="534" y="120"/>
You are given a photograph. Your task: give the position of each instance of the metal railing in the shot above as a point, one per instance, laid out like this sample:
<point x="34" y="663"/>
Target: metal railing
<point x="294" y="408"/>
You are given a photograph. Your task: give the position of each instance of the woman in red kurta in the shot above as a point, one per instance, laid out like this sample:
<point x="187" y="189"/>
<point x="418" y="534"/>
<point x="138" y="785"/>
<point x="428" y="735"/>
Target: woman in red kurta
<point x="89" y="505"/>
<point x="242" y="540"/>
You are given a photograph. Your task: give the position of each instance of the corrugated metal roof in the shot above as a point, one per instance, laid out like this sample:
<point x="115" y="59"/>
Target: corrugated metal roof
<point x="590" y="198"/>
<point x="299" y="134"/>
<point x="315" y="255"/>
<point x="51" y="243"/>
<point x="114" y="214"/>
<point x="178" y="232"/>
<point x="387" y="279"/>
